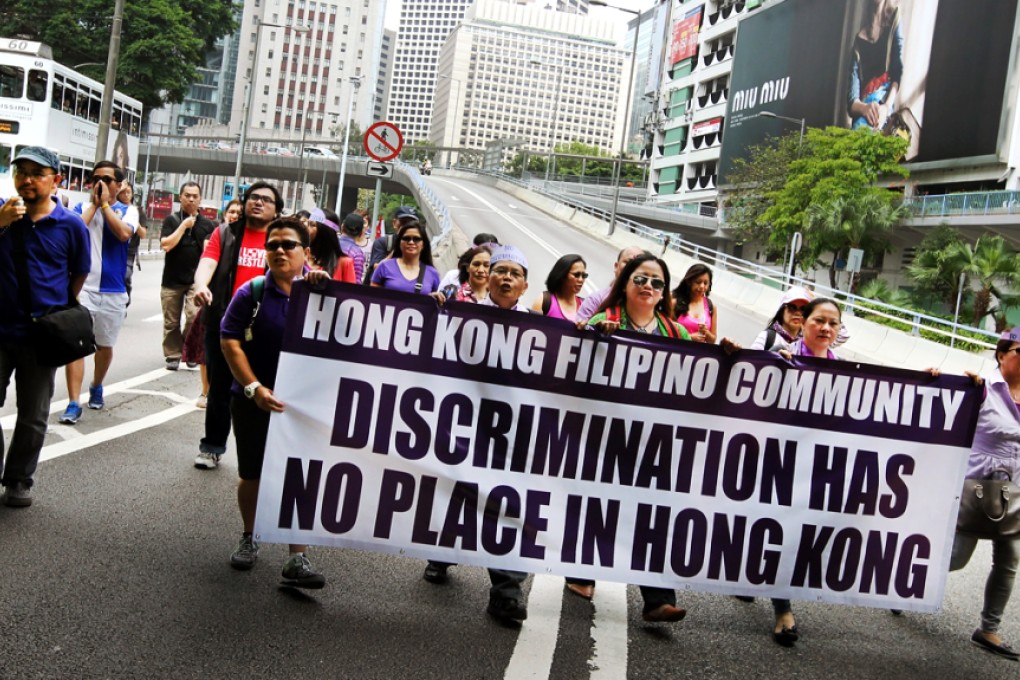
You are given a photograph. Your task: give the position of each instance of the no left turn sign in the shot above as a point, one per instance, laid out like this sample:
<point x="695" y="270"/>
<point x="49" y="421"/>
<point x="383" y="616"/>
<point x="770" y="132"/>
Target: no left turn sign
<point x="383" y="141"/>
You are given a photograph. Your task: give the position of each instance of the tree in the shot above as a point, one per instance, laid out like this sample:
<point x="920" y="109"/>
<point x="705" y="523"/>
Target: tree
<point x="934" y="279"/>
<point x="992" y="265"/>
<point x="163" y="42"/>
<point x="777" y="181"/>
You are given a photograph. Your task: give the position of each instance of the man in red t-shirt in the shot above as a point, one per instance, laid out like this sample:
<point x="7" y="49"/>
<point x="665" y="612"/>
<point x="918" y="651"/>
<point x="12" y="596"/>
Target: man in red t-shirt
<point x="235" y="254"/>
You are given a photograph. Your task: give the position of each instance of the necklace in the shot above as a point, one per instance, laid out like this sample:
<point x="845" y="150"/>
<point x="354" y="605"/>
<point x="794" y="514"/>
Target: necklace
<point x="645" y="328"/>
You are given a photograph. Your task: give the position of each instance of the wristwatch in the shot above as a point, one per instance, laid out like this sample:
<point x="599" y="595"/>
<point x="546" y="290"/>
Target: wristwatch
<point x="249" y="390"/>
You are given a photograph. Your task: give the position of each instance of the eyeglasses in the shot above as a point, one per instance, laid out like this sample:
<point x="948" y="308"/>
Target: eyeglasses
<point x="287" y="244"/>
<point x="507" y="271"/>
<point x="641" y="281"/>
<point x="411" y="239"/>
<point x="261" y="198"/>
<point x="106" y="179"/>
<point x="579" y="275"/>
<point x="25" y="174"/>
<point x="1012" y="349"/>
<point x="795" y="307"/>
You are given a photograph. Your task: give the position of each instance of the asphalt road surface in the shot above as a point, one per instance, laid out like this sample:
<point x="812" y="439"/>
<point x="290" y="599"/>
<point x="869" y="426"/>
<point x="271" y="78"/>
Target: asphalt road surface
<point x="120" y="568"/>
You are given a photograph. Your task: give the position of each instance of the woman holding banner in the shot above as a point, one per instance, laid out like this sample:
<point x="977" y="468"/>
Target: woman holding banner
<point x="996" y="450"/>
<point x="561" y="298"/>
<point x="472" y="275"/>
<point x="785" y="327"/>
<point x="251" y="338"/>
<point x="694" y="311"/>
<point x="638" y="302"/>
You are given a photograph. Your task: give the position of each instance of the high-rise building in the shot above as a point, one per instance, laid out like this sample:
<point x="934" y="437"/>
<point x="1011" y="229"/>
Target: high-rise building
<point x="572" y="6"/>
<point x="530" y="76"/>
<point x="423" y="28"/>
<point x="385" y="74"/>
<point x="309" y="56"/>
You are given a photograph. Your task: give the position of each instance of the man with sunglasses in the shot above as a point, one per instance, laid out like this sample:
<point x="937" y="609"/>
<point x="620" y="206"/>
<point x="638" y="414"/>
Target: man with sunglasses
<point x="105" y="291"/>
<point x="234" y="255"/>
<point x="53" y="245"/>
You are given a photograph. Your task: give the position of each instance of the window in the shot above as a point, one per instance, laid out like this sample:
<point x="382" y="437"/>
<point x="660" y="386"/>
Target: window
<point x="37" y="85"/>
<point x="12" y="81"/>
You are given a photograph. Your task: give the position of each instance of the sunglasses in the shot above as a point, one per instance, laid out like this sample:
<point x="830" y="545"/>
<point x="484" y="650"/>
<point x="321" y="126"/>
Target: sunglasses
<point x="105" y="178"/>
<point x="411" y="239"/>
<point x="795" y="307"/>
<point x="579" y="275"/>
<point x="641" y="281"/>
<point x="286" y="244"/>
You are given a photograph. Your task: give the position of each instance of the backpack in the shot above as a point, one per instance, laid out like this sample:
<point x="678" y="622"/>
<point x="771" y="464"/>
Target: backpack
<point x="258" y="291"/>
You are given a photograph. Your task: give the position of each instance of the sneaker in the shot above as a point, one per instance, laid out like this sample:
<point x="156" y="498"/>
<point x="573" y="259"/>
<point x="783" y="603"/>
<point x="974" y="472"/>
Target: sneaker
<point x="18" y="495"/>
<point x="192" y="364"/>
<point x="72" y="414"/>
<point x="173" y="364"/>
<point x="96" y="397"/>
<point x="435" y="572"/>
<point x="202" y="401"/>
<point x="298" y="573"/>
<point x="207" y="461"/>
<point x="247" y="552"/>
<point x="507" y="610"/>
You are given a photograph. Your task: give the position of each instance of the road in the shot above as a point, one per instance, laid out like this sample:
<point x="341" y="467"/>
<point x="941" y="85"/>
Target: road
<point x="119" y="570"/>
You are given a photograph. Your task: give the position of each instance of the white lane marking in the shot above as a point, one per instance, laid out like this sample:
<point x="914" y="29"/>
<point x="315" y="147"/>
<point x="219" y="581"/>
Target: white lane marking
<point x="153" y="319"/>
<point x="609" y="632"/>
<point x="59" y="405"/>
<point x="511" y="206"/>
<point x="172" y="396"/>
<point x="454" y="198"/>
<point x="100" y="436"/>
<point x="64" y="431"/>
<point x="536" y="643"/>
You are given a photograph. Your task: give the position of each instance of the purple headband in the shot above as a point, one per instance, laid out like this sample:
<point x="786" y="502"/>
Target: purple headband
<point x="320" y="217"/>
<point x="1013" y="334"/>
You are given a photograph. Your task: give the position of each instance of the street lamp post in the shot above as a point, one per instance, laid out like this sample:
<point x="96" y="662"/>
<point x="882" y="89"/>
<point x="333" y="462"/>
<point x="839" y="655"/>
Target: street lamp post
<point x="790" y="268"/>
<point x="355" y="81"/>
<point x="799" y="121"/>
<point x="618" y="171"/>
<point x="106" y="106"/>
<point x="303" y="167"/>
<point x="246" y="113"/>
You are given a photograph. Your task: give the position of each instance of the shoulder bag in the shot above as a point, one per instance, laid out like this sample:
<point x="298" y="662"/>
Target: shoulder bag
<point x="990" y="508"/>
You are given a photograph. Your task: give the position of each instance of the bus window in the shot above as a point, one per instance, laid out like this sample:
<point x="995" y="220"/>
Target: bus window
<point x="5" y="159"/>
<point x="118" y="115"/>
<point x="94" y="105"/>
<point x="12" y="81"/>
<point x="65" y="172"/>
<point x="37" y="85"/>
<point x="58" y="92"/>
<point x="82" y="107"/>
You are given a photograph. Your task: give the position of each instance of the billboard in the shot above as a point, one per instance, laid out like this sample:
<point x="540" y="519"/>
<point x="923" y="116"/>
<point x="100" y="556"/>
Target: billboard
<point x="685" y="36"/>
<point x="932" y="71"/>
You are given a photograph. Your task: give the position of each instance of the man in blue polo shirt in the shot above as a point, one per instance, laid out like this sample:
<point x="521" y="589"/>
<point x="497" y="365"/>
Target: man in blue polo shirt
<point x="105" y="291"/>
<point x="56" y="251"/>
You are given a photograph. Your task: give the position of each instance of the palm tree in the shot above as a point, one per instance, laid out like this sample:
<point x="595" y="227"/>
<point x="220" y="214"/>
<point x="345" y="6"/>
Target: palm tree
<point x="930" y="271"/>
<point x="862" y="220"/>
<point x="993" y="265"/>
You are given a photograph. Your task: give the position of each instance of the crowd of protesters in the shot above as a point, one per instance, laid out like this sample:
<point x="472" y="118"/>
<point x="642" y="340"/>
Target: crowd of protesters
<point x="224" y="295"/>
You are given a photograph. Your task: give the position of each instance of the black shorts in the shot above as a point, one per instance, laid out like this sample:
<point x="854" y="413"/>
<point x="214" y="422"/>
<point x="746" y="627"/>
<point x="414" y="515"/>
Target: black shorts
<point x="251" y="426"/>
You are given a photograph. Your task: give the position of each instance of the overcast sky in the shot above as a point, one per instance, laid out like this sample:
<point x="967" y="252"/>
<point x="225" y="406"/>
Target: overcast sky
<point x="619" y="19"/>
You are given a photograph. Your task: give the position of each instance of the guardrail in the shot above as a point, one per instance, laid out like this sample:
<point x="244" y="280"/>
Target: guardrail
<point x="916" y="321"/>
<point x="955" y="205"/>
<point x="435" y="205"/>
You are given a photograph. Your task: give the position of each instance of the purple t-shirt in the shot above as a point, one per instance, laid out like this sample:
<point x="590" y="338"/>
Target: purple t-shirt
<point x="388" y="275"/>
<point x="263" y="350"/>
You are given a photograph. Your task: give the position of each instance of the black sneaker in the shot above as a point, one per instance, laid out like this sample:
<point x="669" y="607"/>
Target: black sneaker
<point x="435" y="572"/>
<point x="298" y="573"/>
<point x="507" y="610"/>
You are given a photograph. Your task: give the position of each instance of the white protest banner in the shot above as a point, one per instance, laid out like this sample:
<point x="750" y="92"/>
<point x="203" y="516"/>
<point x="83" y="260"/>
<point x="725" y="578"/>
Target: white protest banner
<point x="478" y="436"/>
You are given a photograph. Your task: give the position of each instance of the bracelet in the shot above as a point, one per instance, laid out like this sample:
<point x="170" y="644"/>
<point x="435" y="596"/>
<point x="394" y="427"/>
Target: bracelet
<point x="104" y="206"/>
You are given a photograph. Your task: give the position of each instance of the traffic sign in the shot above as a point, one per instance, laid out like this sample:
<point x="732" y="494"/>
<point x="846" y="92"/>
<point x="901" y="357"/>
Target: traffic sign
<point x="383" y="141"/>
<point x="383" y="170"/>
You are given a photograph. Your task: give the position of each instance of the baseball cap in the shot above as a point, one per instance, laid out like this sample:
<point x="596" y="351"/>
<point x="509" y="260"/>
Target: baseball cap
<point x="508" y="254"/>
<point x="353" y="224"/>
<point x="1013" y="334"/>
<point x="40" y="155"/>
<point x="797" y="294"/>
<point x="404" y="212"/>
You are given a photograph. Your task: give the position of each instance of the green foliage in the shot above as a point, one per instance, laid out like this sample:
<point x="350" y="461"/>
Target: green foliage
<point x="994" y="268"/>
<point x="419" y="151"/>
<point x="934" y="279"/>
<point x="835" y="168"/>
<point x="163" y="42"/>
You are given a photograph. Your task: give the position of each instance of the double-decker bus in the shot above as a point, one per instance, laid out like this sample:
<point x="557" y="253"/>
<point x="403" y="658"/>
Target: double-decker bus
<point x="44" y="103"/>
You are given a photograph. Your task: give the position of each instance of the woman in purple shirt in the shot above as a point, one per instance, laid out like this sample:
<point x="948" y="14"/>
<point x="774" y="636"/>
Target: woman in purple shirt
<point x="996" y="448"/>
<point x="408" y="266"/>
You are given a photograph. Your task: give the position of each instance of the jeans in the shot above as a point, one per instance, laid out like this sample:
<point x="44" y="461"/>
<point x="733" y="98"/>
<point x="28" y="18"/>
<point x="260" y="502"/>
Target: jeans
<point x="506" y="584"/>
<point x="999" y="586"/>
<point x="34" y="385"/>
<point x="175" y="300"/>
<point x="217" y="410"/>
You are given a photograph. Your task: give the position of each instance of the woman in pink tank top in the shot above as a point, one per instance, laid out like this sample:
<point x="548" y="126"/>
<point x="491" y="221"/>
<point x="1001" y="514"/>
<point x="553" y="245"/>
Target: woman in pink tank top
<point x="694" y="311"/>
<point x="566" y="279"/>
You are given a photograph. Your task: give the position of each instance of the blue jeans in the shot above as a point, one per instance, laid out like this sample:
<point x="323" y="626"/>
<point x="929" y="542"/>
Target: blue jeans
<point x="34" y="385"/>
<point x="217" y="410"/>
<point x="999" y="586"/>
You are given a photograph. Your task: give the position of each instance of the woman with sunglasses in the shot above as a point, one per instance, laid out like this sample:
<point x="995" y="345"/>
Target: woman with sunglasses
<point x="561" y="298"/>
<point x="786" y="325"/>
<point x="408" y="265"/>
<point x="637" y="302"/>
<point x="694" y="310"/>
<point x="251" y="336"/>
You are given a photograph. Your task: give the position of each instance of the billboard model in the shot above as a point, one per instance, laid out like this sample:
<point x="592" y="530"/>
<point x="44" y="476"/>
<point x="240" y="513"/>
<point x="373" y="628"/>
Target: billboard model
<point x="932" y="71"/>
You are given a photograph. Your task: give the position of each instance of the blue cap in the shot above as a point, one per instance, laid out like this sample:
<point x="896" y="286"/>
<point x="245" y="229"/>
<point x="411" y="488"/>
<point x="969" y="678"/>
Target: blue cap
<point x="405" y="211"/>
<point x="40" y="155"/>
